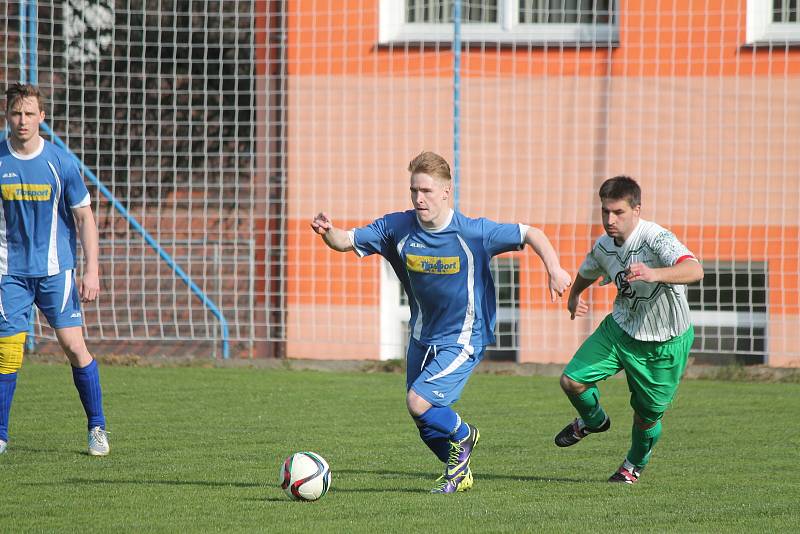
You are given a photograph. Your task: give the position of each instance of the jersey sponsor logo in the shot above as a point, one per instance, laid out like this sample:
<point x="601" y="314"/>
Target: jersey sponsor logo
<point x="36" y="192"/>
<point x="433" y="264"/>
<point x="10" y="175"/>
<point x="417" y="245"/>
<point x="624" y="287"/>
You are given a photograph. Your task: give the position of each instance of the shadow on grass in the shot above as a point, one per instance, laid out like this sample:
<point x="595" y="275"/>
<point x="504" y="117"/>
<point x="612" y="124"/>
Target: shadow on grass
<point x="374" y="472"/>
<point x="482" y="475"/>
<point x="207" y="483"/>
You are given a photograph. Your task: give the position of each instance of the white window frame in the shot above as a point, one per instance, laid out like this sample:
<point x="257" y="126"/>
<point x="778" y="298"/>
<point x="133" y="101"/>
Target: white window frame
<point x="733" y="319"/>
<point x="393" y="29"/>
<point x="761" y="29"/>
<point x="392" y="315"/>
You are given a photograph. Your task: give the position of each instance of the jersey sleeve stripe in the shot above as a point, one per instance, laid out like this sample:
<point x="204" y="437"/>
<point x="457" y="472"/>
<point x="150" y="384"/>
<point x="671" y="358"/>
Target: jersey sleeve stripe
<point x="83" y="203"/>
<point x="684" y="258"/>
<point x="351" y="235"/>
<point x="523" y="230"/>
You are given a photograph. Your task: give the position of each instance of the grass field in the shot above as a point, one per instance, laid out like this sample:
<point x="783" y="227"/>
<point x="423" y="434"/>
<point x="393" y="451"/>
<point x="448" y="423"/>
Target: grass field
<point x="199" y="449"/>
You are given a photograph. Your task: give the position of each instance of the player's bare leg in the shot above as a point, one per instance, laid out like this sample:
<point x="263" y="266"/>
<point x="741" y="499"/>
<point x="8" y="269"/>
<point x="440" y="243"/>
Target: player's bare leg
<point x="87" y="382"/>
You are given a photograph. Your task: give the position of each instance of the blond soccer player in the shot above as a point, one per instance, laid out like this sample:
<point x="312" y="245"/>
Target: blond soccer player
<point x="442" y="259"/>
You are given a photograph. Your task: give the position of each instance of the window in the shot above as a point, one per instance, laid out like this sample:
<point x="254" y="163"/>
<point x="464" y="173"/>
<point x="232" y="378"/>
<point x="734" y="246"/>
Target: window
<point x="395" y="313"/>
<point x="729" y="312"/>
<point x="505" y="271"/>
<point x="773" y="21"/>
<point x="500" y="21"/>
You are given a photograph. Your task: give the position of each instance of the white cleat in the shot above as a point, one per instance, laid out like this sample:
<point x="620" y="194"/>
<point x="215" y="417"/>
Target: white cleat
<point x="98" y="442"/>
<point x="3" y="446"/>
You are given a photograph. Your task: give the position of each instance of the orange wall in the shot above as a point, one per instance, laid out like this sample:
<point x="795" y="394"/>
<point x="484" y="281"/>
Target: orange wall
<point x="666" y="38"/>
<point x="710" y="128"/>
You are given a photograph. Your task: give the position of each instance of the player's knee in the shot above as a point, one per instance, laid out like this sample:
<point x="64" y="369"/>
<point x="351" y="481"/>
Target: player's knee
<point x="571" y="387"/>
<point x="646" y="421"/>
<point x="416" y="405"/>
<point x="11" y="351"/>
<point x="75" y="350"/>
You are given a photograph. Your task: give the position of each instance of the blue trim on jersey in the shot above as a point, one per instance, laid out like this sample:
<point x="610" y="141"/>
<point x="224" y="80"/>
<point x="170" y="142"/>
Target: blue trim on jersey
<point x="446" y="273"/>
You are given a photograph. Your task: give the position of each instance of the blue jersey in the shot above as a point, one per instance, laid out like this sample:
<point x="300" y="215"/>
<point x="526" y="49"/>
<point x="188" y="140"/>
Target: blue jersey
<point x="37" y="230"/>
<point x="445" y="273"/>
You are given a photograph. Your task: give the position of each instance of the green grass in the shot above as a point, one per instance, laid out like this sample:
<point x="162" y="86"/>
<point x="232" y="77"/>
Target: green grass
<point x="197" y="449"/>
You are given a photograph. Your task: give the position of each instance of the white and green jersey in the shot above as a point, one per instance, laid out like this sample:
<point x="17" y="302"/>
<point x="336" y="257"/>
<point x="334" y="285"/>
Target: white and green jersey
<point x="645" y="311"/>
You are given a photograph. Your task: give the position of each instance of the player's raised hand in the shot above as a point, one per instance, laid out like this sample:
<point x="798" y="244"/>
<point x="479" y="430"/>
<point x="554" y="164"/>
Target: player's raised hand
<point x="321" y="223"/>
<point x="639" y="272"/>
<point x="90" y="287"/>
<point x="559" y="281"/>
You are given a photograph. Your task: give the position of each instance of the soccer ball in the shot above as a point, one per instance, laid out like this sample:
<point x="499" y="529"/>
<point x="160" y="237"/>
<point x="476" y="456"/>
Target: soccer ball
<point x="305" y="476"/>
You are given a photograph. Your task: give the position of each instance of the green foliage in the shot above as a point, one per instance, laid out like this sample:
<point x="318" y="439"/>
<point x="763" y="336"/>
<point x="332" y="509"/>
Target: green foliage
<point x="196" y="449"/>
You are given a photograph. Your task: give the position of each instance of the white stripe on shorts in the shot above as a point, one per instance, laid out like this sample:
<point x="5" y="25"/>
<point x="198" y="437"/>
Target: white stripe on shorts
<point x="455" y="364"/>
<point x="2" y="310"/>
<point x="67" y="288"/>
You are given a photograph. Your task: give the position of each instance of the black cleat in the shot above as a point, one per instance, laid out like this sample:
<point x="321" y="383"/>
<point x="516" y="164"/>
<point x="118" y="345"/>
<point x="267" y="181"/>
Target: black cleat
<point x="626" y="474"/>
<point x="577" y="430"/>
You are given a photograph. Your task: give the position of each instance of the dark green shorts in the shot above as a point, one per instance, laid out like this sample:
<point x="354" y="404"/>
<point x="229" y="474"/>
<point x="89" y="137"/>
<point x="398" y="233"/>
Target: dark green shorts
<point x="653" y="368"/>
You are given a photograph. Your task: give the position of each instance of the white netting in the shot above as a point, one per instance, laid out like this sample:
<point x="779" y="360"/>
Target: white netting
<point x="224" y="126"/>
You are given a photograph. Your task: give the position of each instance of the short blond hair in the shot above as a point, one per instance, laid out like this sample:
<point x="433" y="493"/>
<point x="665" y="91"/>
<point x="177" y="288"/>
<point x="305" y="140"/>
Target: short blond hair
<point x="431" y="164"/>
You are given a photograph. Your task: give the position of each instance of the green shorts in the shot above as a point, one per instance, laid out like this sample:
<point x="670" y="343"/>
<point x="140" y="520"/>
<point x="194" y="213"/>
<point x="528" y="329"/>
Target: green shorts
<point x="653" y="368"/>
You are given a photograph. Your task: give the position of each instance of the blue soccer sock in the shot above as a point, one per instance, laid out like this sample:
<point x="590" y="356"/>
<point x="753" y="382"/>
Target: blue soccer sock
<point x="436" y="441"/>
<point x="87" y="382"/>
<point x="8" y="383"/>
<point x="446" y="421"/>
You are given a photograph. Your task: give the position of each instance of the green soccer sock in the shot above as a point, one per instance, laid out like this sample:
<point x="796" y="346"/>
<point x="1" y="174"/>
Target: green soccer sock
<point x="588" y="406"/>
<point x="642" y="443"/>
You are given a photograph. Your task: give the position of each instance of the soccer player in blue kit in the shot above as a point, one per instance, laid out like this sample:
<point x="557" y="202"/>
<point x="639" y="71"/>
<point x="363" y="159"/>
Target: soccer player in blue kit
<point x="44" y="206"/>
<point x="442" y="259"/>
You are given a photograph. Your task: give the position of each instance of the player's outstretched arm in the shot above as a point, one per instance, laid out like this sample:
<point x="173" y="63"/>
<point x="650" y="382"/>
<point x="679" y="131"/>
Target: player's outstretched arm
<point x="335" y="238"/>
<point x="685" y="272"/>
<point x="87" y="233"/>
<point x="558" y="279"/>
<point x="575" y="304"/>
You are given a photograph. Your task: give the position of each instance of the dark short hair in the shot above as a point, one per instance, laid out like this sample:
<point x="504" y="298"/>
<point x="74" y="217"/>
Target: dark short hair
<point x="18" y="91"/>
<point x="622" y="188"/>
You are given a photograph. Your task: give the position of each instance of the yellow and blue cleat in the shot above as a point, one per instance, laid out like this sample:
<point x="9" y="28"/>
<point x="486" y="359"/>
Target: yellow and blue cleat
<point x="462" y="482"/>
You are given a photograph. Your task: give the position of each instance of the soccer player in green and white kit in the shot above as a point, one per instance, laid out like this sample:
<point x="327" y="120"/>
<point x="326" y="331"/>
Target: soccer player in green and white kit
<point x="648" y="333"/>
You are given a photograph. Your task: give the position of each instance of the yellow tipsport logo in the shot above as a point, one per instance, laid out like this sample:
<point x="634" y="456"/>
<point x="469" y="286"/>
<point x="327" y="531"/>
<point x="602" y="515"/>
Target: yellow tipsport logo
<point x="26" y="191"/>
<point x="433" y="264"/>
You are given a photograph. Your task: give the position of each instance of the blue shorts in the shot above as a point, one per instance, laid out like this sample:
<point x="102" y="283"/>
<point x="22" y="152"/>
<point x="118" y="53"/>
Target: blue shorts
<point x="56" y="297"/>
<point x="438" y="373"/>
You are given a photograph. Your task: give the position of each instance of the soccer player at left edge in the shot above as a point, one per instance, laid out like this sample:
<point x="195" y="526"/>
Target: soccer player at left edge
<point x="45" y="206"/>
<point x="442" y="258"/>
